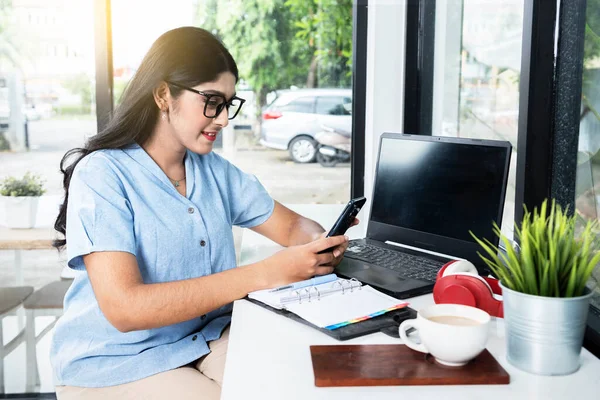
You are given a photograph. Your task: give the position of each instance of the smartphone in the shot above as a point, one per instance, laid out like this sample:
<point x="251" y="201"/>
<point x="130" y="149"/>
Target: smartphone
<point x="345" y="219"/>
<point x="347" y="216"/>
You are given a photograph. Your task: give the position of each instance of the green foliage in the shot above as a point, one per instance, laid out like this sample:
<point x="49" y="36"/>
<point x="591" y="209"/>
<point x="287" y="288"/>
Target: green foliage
<point x="29" y="185"/>
<point x="552" y="261"/>
<point x="278" y="44"/>
<point x="61" y="111"/>
<point x="9" y="51"/>
<point x="206" y="16"/>
<point x="81" y="85"/>
<point x="119" y="86"/>
<point x="591" y="53"/>
<point x="591" y="49"/>
<point x="326" y="27"/>
<point x="4" y="144"/>
<point x="257" y="34"/>
<point x="5" y="9"/>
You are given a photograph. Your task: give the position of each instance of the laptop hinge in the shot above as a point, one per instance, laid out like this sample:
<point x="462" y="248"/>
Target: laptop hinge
<point x="449" y="257"/>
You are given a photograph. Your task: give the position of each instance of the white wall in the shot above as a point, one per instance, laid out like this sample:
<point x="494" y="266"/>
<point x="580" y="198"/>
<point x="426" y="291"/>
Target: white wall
<point x="385" y="80"/>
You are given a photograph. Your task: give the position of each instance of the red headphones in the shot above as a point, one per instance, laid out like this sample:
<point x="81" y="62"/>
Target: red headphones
<point x="458" y="282"/>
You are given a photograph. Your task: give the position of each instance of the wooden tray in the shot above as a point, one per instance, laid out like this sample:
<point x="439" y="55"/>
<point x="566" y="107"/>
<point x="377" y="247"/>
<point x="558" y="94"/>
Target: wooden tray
<point x="390" y="365"/>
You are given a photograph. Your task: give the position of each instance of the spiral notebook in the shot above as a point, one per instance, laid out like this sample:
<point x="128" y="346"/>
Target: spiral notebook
<point x="331" y="305"/>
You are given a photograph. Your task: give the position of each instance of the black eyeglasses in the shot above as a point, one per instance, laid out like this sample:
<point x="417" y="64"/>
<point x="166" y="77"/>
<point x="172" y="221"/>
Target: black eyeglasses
<point x="215" y="103"/>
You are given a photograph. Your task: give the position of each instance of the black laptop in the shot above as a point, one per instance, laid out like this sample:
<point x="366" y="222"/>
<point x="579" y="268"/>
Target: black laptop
<point x="429" y="192"/>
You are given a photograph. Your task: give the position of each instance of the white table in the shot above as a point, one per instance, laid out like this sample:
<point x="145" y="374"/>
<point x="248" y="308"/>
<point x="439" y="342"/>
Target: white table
<point x="269" y="356"/>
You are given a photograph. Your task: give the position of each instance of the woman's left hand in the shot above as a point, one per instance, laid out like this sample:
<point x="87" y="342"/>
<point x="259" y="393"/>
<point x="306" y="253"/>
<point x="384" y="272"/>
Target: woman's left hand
<point x="338" y="251"/>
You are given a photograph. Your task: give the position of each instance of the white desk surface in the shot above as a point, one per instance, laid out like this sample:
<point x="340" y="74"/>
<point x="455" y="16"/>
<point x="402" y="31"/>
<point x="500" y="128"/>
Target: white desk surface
<point x="269" y="355"/>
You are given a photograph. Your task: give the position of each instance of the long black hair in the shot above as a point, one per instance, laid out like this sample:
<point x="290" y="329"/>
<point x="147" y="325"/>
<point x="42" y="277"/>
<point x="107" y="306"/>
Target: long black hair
<point x="189" y="56"/>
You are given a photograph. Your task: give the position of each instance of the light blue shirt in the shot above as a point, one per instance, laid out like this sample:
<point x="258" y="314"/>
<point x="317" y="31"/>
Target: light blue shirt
<point x="120" y="200"/>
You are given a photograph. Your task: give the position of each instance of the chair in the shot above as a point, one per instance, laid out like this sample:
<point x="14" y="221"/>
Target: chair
<point x="46" y="301"/>
<point x="10" y="299"/>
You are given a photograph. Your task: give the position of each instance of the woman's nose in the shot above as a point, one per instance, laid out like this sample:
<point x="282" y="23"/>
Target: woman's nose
<point x="223" y="118"/>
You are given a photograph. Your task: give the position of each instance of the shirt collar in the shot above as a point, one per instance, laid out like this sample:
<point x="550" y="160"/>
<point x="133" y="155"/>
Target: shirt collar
<point x="137" y="153"/>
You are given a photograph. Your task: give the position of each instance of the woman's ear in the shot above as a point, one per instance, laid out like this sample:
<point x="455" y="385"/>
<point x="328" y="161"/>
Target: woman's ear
<point x="162" y="96"/>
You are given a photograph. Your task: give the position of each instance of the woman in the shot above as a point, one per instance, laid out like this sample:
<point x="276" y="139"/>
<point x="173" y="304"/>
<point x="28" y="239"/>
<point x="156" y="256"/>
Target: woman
<point x="147" y="215"/>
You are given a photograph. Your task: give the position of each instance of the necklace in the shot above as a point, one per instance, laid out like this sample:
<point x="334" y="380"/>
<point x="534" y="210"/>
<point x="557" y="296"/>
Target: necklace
<point x="176" y="183"/>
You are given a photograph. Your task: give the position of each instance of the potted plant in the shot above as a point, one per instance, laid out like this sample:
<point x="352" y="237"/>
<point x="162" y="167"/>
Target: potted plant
<point x="544" y="290"/>
<point x="20" y="198"/>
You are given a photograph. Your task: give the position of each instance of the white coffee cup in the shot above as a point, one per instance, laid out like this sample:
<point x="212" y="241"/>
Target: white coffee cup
<point x="454" y="334"/>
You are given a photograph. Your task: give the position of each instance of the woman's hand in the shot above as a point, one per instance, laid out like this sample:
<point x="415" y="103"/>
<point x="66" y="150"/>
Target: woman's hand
<point x="297" y="263"/>
<point x="339" y="251"/>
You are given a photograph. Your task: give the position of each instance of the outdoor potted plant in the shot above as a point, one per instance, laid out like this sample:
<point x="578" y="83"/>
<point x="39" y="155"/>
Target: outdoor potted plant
<point x="20" y="198"/>
<point x="544" y="291"/>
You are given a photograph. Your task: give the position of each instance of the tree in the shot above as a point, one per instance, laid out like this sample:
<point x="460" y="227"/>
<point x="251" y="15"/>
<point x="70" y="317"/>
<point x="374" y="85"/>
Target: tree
<point x="81" y="85"/>
<point x="326" y="29"/>
<point x="206" y="16"/>
<point x="591" y="54"/>
<point x="257" y="33"/>
<point x="8" y="50"/>
<point x="281" y="44"/>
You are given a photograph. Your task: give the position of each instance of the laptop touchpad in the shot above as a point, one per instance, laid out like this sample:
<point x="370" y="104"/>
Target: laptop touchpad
<point x="369" y="274"/>
<point x="377" y="278"/>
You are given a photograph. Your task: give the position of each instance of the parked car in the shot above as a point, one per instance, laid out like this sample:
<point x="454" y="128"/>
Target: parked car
<point x="292" y="119"/>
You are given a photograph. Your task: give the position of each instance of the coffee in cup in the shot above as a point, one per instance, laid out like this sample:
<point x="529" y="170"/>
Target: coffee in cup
<point x="454" y="320"/>
<point x="453" y="334"/>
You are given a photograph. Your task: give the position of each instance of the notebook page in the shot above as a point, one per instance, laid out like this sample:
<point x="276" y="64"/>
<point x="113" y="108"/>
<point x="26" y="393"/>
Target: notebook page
<point x="338" y="308"/>
<point x="273" y="299"/>
<point x="265" y="296"/>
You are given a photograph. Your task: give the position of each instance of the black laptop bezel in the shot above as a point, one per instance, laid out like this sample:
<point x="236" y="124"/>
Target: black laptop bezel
<point x="440" y="244"/>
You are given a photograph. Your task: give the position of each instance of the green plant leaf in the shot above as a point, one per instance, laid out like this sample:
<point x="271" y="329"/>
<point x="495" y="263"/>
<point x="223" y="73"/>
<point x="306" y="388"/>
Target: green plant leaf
<point x="587" y="272"/>
<point x="28" y="185"/>
<point x="544" y="283"/>
<point x="572" y="280"/>
<point x="553" y="260"/>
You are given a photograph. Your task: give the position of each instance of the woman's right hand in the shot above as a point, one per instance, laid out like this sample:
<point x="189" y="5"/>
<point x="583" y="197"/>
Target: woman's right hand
<point x="297" y="263"/>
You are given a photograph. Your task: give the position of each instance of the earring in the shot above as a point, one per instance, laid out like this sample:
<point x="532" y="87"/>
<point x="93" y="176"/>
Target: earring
<point x="164" y="115"/>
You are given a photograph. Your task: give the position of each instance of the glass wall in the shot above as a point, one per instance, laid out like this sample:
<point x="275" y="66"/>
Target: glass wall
<point x="587" y="197"/>
<point x="47" y="107"/>
<point x="477" y="62"/>
<point x="295" y="74"/>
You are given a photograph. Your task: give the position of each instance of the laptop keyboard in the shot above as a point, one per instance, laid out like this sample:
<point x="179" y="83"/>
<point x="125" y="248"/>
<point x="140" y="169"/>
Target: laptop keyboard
<point x="406" y="265"/>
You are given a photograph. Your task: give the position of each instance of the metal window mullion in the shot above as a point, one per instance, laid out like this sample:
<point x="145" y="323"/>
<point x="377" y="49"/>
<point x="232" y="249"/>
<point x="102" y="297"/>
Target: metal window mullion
<point x="359" y="96"/>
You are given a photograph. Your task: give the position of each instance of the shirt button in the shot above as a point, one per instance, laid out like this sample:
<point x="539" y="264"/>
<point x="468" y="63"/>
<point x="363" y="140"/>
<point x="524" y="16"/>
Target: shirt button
<point x="203" y="317"/>
<point x="202" y="243"/>
<point x="195" y="337"/>
<point x="191" y="210"/>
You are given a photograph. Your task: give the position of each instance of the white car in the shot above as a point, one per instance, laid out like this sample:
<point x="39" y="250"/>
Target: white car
<point x="292" y="119"/>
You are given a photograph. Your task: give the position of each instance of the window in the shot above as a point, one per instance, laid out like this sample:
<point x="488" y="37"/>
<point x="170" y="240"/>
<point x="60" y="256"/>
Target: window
<point x="587" y="192"/>
<point x="289" y="50"/>
<point x="333" y="105"/>
<point x="477" y="61"/>
<point x="300" y="105"/>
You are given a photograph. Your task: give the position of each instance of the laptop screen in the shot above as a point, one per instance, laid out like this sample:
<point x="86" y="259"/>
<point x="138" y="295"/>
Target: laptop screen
<point x="440" y="186"/>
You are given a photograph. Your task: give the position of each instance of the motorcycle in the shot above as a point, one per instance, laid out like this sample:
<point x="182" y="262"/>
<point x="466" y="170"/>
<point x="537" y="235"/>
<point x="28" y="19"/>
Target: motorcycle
<point x="333" y="146"/>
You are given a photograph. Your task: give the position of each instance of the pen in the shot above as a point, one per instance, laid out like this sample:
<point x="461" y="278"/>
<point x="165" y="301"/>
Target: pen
<point x="317" y="280"/>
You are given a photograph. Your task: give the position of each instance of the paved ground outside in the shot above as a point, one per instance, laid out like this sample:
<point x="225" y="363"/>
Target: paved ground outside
<point x="286" y="181"/>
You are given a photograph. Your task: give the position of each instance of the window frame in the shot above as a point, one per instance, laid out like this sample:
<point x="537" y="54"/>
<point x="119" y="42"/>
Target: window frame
<point x="292" y="100"/>
<point x="360" y="16"/>
<point x="339" y="103"/>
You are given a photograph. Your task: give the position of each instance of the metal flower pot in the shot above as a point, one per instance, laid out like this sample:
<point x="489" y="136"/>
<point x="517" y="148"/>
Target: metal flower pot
<point x="544" y="335"/>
